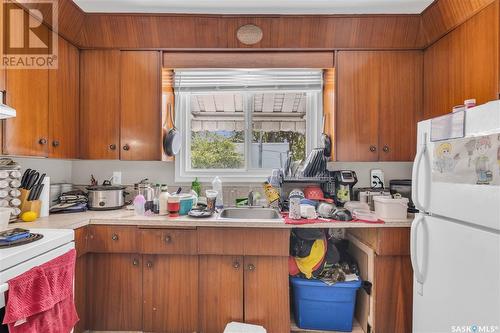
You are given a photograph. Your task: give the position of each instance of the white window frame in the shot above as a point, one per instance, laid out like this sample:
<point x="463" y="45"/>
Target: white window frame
<point x="183" y="171"/>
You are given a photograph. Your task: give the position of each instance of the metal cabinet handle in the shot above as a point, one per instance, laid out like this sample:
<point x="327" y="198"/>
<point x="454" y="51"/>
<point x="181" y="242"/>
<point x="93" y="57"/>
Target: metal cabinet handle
<point x="236" y="264"/>
<point x="149" y="264"/>
<point x="386" y="149"/>
<point x="114" y="237"/>
<point x="251" y="267"/>
<point x="112" y="146"/>
<point x="168" y="239"/>
<point x="126" y="147"/>
<point x="135" y="262"/>
<point x="55" y="143"/>
<point x="373" y="149"/>
<point x="42" y="141"/>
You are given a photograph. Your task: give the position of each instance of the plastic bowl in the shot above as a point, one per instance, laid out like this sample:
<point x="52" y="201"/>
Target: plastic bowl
<point x="186" y="205"/>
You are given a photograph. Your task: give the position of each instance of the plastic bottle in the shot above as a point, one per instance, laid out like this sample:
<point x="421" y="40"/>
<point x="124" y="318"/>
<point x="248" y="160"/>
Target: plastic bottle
<point x="217" y="186"/>
<point x="163" y="200"/>
<point x="139" y="202"/>
<point x="156" y="199"/>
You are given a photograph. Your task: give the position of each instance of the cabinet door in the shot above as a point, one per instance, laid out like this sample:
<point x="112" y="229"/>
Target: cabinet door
<point x="400" y="104"/>
<point x="99" y="104"/>
<point x="140" y="106"/>
<point x="170" y="293"/>
<point x="266" y="293"/>
<point x="221" y="292"/>
<point x="64" y="103"/>
<point x="115" y="284"/>
<point x="358" y="101"/>
<point x="27" y="92"/>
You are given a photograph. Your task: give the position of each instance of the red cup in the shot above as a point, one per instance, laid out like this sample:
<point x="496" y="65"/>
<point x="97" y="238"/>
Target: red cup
<point x="173" y="208"/>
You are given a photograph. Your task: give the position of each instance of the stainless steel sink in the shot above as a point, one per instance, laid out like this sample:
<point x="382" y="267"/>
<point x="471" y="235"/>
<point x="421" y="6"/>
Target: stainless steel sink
<point x="250" y="213"/>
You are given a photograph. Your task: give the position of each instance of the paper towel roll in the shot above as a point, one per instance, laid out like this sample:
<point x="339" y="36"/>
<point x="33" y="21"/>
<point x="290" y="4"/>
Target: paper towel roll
<point x="45" y="197"/>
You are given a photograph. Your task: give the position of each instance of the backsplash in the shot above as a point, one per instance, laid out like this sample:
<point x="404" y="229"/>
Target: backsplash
<point x="79" y="171"/>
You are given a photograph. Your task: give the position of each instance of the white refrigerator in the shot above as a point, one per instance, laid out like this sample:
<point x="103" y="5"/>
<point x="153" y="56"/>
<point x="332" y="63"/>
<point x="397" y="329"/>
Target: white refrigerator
<point x="455" y="239"/>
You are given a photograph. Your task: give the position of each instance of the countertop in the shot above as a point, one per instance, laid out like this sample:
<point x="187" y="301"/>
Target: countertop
<point x="127" y="217"/>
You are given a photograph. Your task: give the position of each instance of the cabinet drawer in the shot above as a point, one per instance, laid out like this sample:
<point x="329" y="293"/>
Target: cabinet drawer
<point x="114" y="239"/>
<point x="168" y="241"/>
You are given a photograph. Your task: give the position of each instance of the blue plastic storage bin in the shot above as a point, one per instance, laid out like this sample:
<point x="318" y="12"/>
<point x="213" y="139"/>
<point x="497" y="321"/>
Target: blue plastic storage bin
<point x="322" y="307"/>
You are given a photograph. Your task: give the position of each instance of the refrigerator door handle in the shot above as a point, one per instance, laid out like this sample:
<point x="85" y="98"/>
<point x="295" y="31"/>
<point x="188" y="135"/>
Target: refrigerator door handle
<point x="415" y="174"/>
<point x="413" y="253"/>
<point x="416" y="171"/>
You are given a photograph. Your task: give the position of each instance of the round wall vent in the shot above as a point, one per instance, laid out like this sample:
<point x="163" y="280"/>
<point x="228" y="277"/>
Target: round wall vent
<point x="249" y="34"/>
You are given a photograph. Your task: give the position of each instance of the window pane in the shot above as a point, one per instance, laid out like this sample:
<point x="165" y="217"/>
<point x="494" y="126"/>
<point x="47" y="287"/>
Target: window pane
<point x="217" y="131"/>
<point x="279" y="127"/>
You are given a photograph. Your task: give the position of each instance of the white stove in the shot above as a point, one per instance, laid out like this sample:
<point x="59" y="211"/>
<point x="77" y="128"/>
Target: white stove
<point x="16" y="260"/>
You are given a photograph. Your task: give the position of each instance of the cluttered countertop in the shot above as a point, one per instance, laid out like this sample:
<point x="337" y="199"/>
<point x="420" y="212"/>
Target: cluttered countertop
<point x="127" y="217"/>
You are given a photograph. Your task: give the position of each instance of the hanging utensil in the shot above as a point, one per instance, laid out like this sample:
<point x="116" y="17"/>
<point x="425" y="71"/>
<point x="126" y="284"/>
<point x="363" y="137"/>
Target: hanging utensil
<point x="172" y="138"/>
<point x="327" y="141"/>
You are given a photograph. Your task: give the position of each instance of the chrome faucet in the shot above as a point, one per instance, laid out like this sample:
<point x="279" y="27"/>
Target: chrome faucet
<point x="250" y="199"/>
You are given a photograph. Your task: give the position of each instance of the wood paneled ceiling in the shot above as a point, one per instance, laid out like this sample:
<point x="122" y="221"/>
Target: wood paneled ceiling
<point x="280" y="32"/>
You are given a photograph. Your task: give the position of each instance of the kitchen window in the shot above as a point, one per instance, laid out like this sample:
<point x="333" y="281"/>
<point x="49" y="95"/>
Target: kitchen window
<point x="241" y="124"/>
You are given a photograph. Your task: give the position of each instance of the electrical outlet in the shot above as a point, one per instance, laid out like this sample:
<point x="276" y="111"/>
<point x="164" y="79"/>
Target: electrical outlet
<point x="377" y="178"/>
<point x="117" y="178"/>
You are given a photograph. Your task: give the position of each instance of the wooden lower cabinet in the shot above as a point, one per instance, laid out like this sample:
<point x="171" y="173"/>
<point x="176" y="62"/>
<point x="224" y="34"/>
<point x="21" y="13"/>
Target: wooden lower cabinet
<point x="115" y="283"/>
<point x="250" y="289"/>
<point x="383" y="258"/>
<point x="220" y="292"/>
<point x="266" y="293"/>
<point x="170" y="287"/>
<point x="169" y="283"/>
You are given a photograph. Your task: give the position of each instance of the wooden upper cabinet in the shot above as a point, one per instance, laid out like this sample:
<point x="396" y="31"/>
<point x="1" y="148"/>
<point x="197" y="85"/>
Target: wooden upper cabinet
<point x="2" y="79"/>
<point x="358" y="99"/>
<point x="400" y="104"/>
<point x="27" y="92"/>
<point x="64" y="103"/>
<point x="99" y="104"/>
<point x="140" y="105"/>
<point x="379" y="104"/>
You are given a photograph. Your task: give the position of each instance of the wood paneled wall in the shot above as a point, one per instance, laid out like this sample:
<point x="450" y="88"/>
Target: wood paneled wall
<point x="464" y="64"/>
<point x="444" y="15"/>
<point x="282" y="32"/>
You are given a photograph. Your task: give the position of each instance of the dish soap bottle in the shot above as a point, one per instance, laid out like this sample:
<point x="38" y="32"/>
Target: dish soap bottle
<point x="217" y="186"/>
<point x="196" y="186"/>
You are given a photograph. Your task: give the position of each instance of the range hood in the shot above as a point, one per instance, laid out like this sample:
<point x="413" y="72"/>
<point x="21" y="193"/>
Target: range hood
<point x="5" y="110"/>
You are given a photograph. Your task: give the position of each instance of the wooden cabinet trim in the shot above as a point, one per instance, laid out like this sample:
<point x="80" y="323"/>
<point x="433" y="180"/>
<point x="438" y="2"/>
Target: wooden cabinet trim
<point x="248" y="60"/>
